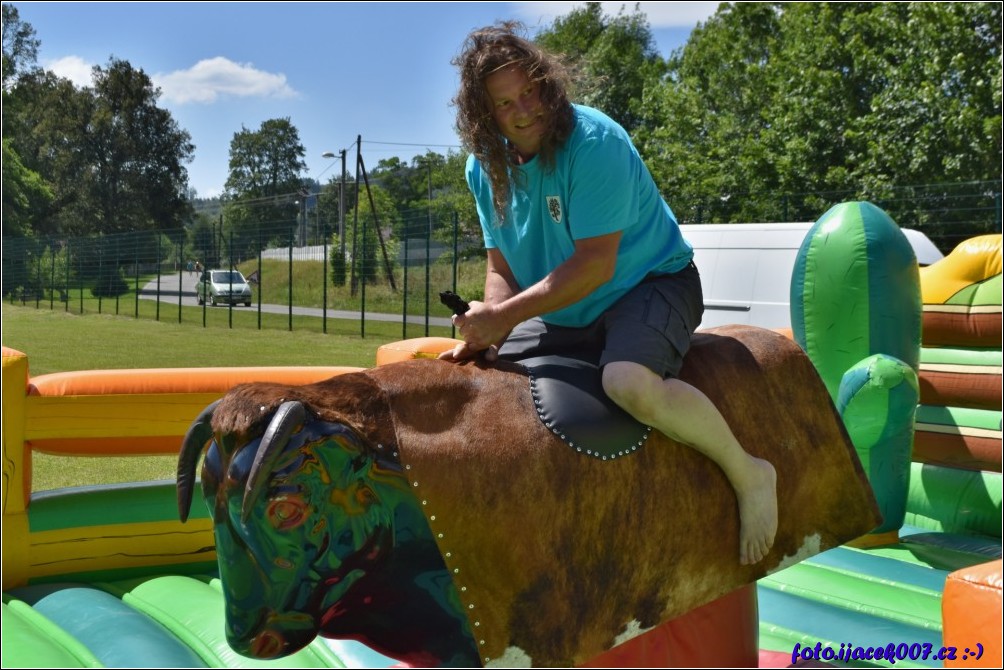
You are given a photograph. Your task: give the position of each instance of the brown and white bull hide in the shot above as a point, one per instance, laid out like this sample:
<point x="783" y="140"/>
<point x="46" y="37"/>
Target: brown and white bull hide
<point x="559" y="556"/>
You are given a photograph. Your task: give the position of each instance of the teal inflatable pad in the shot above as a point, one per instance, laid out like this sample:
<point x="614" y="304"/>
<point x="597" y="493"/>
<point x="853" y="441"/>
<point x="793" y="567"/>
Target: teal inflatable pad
<point x="868" y="597"/>
<point x="116" y="634"/>
<point x="167" y="621"/>
<point x="988" y="548"/>
<point x="32" y="641"/>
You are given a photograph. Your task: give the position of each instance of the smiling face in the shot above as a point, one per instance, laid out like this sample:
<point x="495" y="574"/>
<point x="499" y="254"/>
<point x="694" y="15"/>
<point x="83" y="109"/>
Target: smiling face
<point x="517" y="109"/>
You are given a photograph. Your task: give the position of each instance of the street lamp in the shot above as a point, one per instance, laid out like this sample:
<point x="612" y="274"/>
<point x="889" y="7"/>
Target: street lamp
<point x="341" y="201"/>
<point x="301" y="214"/>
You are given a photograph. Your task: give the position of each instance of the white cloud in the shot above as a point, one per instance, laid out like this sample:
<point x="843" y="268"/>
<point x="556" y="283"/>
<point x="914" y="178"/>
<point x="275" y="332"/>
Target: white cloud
<point x="74" y="68"/>
<point x="212" y="78"/>
<point x="660" y="14"/>
<point x="204" y="82"/>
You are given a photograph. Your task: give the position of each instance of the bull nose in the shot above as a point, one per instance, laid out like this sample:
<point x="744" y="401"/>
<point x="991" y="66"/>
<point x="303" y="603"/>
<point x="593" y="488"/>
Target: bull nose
<point x="277" y="638"/>
<point x="268" y="644"/>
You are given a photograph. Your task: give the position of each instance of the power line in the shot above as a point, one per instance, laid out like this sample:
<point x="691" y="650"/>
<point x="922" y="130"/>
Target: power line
<point x="415" y="144"/>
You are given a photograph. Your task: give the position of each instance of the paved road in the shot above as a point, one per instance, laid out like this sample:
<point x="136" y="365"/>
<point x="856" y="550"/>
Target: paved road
<point x="169" y="289"/>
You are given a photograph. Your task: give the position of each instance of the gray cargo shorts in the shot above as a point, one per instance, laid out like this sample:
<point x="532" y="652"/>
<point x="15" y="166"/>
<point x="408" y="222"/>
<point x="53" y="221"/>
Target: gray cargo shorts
<point x="651" y="325"/>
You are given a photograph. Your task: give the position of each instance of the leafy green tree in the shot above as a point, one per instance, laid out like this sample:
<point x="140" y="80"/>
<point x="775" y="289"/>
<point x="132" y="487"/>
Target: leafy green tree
<point x="328" y="198"/>
<point x="938" y="108"/>
<point x="137" y="153"/>
<point x="376" y="213"/>
<point x="452" y="199"/>
<point x="404" y="183"/>
<point x="20" y="46"/>
<point x="703" y="132"/>
<point x="615" y="58"/>
<point x="336" y="258"/>
<point x="113" y="160"/>
<point x="773" y="111"/>
<point x="201" y="245"/>
<point x="24" y="191"/>
<point x="264" y="185"/>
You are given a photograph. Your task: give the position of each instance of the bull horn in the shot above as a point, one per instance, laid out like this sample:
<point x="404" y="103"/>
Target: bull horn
<point x="288" y="417"/>
<point x="199" y="433"/>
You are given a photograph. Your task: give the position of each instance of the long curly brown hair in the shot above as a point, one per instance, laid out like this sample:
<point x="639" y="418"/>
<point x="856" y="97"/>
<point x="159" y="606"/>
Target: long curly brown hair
<point x="484" y="52"/>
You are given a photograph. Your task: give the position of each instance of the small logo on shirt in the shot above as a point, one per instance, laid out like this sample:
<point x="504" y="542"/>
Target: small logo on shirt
<point x="554" y="208"/>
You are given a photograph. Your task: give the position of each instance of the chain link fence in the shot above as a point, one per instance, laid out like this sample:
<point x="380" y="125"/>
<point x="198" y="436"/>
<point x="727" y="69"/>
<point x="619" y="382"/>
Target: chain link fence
<point x="304" y="276"/>
<point x="297" y="280"/>
<point x="946" y="213"/>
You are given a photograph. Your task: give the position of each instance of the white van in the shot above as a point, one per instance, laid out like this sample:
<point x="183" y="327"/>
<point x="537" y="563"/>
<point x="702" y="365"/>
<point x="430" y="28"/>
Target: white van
<point x="746" y="269"/>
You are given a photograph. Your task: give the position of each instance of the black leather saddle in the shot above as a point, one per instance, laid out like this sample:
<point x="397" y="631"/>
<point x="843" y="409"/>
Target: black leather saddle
<point x="569" y="398"/>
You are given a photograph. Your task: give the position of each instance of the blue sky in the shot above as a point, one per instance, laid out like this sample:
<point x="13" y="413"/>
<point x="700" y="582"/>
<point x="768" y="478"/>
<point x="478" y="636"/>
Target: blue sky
<point x="337" y="70"/>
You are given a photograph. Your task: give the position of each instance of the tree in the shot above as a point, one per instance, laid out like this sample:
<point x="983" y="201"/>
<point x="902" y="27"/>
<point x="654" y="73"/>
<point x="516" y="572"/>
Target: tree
<point x="24" y="191"/>
<point x="46" y="119"/>
<point x="20" y="47"/>
<point x="453" y="199"/>
<point x="702" y="136"/>
<point x="937" y="115"/>
<point x="264" y="185"/>
<point x="137" y="178"/>
<point x="114" y="161"/>
<point x="376" y="212"/>
<point x="773" y="111"/>
<point x="201" y="245"/>
<point x="616" y="58"/>
<point x="404" y="183"/>
<point x="328" y="199"/>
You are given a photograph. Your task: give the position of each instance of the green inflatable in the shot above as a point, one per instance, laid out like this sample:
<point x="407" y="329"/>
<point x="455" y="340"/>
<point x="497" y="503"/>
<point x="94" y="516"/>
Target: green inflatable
<point x="877" y="400"/>
<point x="855" y="295"/>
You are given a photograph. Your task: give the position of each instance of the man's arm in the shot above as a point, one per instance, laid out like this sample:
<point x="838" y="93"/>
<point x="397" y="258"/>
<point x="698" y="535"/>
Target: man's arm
<point x="500" y="283"/>
<point x="591" y="265"/>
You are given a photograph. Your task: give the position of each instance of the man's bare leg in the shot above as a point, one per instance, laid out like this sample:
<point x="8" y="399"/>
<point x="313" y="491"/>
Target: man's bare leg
<point x="686" y="415"/>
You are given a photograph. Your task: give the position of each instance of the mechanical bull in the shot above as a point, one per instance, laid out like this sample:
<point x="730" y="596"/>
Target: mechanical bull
<point x="424" y="508"/>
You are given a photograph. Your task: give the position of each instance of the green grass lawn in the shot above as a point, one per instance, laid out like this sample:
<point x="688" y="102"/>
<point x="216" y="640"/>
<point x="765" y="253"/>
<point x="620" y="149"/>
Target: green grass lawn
<point x="57" y="341"/>
<point x="309" y="290"/>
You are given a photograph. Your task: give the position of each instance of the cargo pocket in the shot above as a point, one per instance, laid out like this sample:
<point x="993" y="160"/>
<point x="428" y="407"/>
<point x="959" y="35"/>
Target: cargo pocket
<point x="662" y="314"/>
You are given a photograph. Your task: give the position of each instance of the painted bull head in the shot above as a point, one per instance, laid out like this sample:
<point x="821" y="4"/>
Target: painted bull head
<point x="317" y="532"/>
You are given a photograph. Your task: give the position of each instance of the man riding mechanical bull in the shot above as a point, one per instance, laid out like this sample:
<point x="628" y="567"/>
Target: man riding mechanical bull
<point x="477" y="508"/>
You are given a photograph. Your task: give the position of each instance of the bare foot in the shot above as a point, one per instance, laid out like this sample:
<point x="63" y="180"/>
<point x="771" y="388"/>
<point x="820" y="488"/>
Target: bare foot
<point x="757" y="511"/>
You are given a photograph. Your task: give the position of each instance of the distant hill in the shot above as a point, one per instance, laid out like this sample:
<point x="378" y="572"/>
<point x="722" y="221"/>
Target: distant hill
<point x="208" y="206"/>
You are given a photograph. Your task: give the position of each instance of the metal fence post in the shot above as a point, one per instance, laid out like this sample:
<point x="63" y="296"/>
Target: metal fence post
<point x="69" y="255"/>
<point x="428" y="252"/>
<point x="80" y="280"/>
<point x="52" y="276"/>
<point x="404" y="268"/>
<point x="181" y="270"/>
<point x="324" y="274"/>
<point x="260" y="283"/>
<point x="136" y="282"/>
<point x="118" y="270"/>
<point x="230" y="303"/>
<point x="158" y="277"/>
<point x="290" y="290"/>
<point x="456" y="260"/>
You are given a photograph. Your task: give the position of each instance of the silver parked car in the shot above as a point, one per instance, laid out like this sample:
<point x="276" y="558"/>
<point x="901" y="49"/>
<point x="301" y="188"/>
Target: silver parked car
<point x="223" y="286"/>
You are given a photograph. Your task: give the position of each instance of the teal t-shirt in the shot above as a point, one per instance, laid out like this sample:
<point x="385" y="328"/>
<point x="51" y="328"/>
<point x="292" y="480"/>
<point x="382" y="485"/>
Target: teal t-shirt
<point x="598" y="185"/>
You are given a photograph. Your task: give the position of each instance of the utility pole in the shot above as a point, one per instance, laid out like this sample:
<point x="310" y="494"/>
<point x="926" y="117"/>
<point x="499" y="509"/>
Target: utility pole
<point x="428" y="247"/>
<point x="341" y="208"/>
